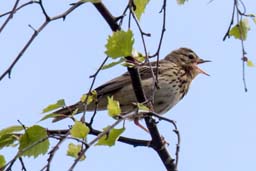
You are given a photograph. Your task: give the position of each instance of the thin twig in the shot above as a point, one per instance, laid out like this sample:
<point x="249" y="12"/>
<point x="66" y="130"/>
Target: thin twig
<point x="94" y="114"/>
<point x="231" y="22"/>
<point x="142" y="34"/>
<point x="20" y="153"/>
<point x="239" y="16"/>
<point x="176" y="131"/>
<point x="243" y="57"/>
<point x="23" y="168"/>
<point x="53" y="151"/>
<point x="47" y="18"/>
<point x="163" y="11"/>
<point x="94" y="76"/>
<point x="10" y="15"/>
<point x="105" y="132"/>
<point x="34" y="35"/>
<point x="121" y="18"/>
<point x="18" y="8"/>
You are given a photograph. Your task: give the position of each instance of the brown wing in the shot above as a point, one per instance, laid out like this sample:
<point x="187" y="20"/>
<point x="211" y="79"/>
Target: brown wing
<point x="113" y="85"/>
<point x="117" y="83"/>
<point x="104" y="90"/>
<point x="107" y="89"/>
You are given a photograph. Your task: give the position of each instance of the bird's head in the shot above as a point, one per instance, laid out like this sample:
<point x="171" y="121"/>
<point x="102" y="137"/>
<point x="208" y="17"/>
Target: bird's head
<point x="187" y="59"/>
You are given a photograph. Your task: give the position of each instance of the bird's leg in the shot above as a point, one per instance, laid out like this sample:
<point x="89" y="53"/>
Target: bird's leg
<point x="137" y="123"/>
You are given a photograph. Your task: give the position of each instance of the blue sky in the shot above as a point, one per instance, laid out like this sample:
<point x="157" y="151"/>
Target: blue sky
<point x="216" y="119"/>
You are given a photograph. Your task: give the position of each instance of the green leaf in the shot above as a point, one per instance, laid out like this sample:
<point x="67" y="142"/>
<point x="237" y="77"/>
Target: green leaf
<point x="113" y="107"/>
<point x="140" y="58"/>
<point x="2" y="161"/>
<point x="239" y="31"/>
<point x="30" y="141"/>
<point x="181" y="2"/>
<point x="58" y="104"/>
<point x="8" y="140"/>
<point x="74" y="150"/>
<point x="7" y="136"/>
<point x="142" y="107"/>
<point x="250" y="63"/>
<point x="91" y="97"/>
<point x="140" y="7"/>
<point x="106" y="66"/>
<point x="252" y="17"/>
<point x="128" y="64"/>
<point x="51" y="115"/>
<point x="79" y="130"/>
<point x="120" y="44"/>
<point x="11" y="129"/>
<point x="111" y="138"/>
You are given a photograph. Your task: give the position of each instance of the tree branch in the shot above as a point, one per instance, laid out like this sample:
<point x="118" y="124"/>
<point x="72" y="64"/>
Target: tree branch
<point x="35" y="34"/>
<point x="158" y="144"/>
<point x="126" y="140"/>
<point x="10" y="15"/>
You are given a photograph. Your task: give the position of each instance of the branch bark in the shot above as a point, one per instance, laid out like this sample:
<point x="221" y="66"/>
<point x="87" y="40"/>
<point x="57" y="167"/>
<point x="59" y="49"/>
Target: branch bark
<point x="157" y="144"/>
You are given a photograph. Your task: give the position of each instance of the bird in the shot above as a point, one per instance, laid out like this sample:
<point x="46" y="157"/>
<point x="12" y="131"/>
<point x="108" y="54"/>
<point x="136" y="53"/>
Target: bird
<point x="174" y="73"/>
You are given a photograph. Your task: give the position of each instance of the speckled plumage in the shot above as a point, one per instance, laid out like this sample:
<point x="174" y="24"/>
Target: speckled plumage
<point x="175" y="74"/>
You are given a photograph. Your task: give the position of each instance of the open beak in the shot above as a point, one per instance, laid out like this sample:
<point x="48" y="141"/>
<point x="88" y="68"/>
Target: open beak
<point x="199" y="70"/>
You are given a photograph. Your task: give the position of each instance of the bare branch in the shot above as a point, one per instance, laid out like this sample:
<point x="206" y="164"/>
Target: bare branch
<point x="10" y="15"/>
<point x="231" y="22"/>
<point x="23" y="168"/>
<point x="53" y="151"/>
<point x="159" y="146"/>
<point x="240" y="13"/>
<point x="34" y="35"/>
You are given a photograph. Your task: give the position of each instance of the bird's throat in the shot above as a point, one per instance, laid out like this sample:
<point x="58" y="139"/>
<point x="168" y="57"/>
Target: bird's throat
<point x="199" y="70"/>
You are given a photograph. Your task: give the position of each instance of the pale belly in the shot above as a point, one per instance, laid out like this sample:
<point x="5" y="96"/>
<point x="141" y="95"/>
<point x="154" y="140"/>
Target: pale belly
<point x="165" y="97"/>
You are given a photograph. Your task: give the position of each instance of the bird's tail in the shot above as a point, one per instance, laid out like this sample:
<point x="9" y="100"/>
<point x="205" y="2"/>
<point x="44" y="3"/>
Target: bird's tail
<point x="68" y="111"/>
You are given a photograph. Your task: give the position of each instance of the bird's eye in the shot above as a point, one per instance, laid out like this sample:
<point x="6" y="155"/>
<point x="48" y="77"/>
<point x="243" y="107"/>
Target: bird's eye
<point x="191" y="56"/>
